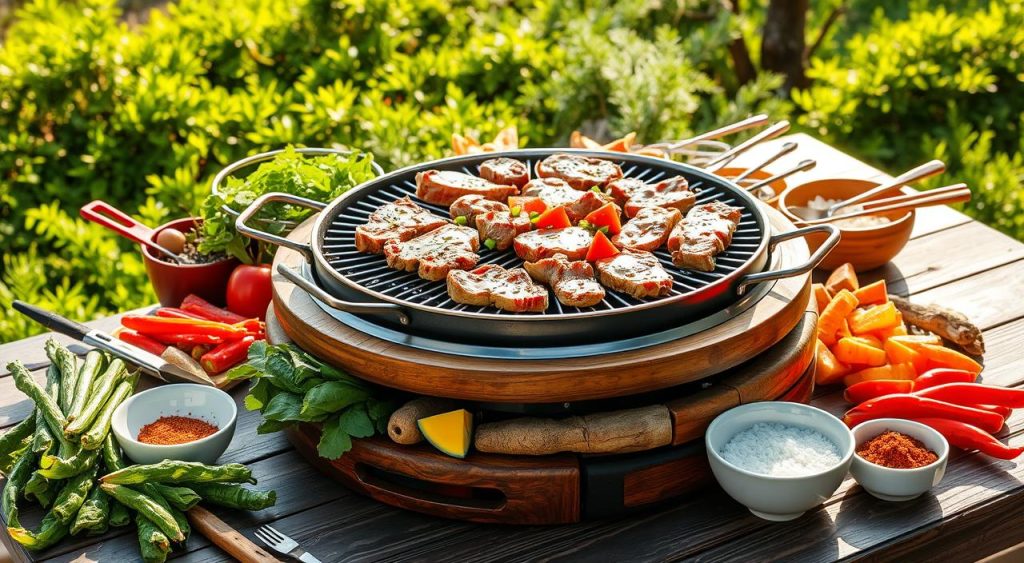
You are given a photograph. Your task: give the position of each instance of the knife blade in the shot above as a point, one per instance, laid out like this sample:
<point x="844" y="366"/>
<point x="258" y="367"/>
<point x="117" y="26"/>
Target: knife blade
<point x="149" y="363"/>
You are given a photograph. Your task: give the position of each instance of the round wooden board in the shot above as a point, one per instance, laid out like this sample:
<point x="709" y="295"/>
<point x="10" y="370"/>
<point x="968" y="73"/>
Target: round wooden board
<point x="549" y="381"/>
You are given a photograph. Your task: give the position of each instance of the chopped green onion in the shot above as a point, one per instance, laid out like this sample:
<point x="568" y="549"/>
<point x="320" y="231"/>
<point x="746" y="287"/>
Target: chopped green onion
<point x="584" y="224"/>
<point x="461" y="220"/>
<point x="490" y="243"/>
<point x="534" y="215"/>
<point x="596" y="189"/>
<point x="535" y="219"/>
<point x="515" y="211"/>
<point x="604" y="229"/>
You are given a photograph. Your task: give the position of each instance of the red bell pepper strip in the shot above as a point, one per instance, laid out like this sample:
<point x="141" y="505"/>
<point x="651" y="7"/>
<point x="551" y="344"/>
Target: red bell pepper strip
<point x="942" y="376"/>
<point x="1002" y="411"/>
<point x="865" y="390"/>
<point x="141" y="341"/>
<point x="252" y="325"/>
<point x="913" y="406"/>
<point x="175" y="313"/>
<point x="187" y="341"/>
<point x="975" y="394"/>
<point x="204" y="309"/>
<point x="967" y="437"/>
<point x="152" y="326"/>
<point x="226" y="355"/>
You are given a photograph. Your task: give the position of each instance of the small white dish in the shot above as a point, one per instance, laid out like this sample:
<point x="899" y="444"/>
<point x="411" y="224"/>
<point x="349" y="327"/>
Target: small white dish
<point x="180" y="399"/>
<point x="778" y="498"/>
<point x="898" y="485"/>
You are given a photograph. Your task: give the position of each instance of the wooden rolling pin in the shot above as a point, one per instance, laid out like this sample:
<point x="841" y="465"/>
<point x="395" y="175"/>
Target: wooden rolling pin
<point x="227" y="538"/>
<point x="402" y="427"/>
<point x="624" y="431"/>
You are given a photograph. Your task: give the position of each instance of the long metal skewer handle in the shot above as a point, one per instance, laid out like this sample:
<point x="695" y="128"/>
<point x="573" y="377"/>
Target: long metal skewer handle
<point x="803" y="166"/>
<point x="787" y="148"/>
<point x="923" y="200"/>
<point x="748" y="123"/>
<point x="875" y="203"/>
<point x="910" y="176"/>
<point x="769" y="133"/>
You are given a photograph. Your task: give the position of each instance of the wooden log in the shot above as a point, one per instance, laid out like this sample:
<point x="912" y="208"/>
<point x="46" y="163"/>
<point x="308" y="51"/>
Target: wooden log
<point x="624" y="431"/>
<point x="948" y="324"/>
<point x="402" y="427"/>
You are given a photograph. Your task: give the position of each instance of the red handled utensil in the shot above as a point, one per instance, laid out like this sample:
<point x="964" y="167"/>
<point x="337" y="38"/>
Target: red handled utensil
<point x="102" y="213"/>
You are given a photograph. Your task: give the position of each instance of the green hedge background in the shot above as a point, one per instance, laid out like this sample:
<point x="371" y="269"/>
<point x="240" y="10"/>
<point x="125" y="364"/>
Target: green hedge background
<point x="144" y="115"/>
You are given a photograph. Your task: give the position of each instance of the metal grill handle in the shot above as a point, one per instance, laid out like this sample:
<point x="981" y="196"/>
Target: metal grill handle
<point x="345" y="306"/>
<point x="812" y="262"/>
<point x="276" y="240"/>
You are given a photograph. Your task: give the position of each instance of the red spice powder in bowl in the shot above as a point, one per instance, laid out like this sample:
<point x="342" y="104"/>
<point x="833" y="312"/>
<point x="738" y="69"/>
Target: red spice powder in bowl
<point x="170" y="430"/>
<point x="898" y="442"/>
<point x="896" y="450"/>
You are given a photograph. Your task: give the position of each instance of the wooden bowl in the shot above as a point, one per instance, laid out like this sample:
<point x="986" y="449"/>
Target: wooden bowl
<point x="864" y="247"/>
<point x="778" y="185"/>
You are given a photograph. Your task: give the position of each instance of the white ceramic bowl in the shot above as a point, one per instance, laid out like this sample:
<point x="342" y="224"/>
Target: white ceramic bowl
<point x="887" y="483"/>
<point x="180" y="399"/>
<point x="778" y="498"/>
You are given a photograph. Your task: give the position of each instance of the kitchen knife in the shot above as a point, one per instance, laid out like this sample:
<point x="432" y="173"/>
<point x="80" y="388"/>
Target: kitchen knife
<point x="149" y="363"/>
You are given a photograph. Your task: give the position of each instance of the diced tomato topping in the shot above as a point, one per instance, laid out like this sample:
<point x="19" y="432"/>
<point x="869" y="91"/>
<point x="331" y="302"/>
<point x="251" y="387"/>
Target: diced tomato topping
<point x="555" y="218"/>
<point x="601" y="248"/>
<point x="527" y="204"/>
<point x="606" y="216"/>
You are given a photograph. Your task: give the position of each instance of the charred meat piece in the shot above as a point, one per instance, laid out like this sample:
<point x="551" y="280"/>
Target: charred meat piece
<point x="648" y="230"/>
<point x="580" y="172"/>
<point x="704" y="233"/>
<point x="505" y="171"/>
<point x="555" y="192"/>
<point x="635" y="272"/>
<point x="671" y="193"/>
<point x="535" y="245"/>
<point x="490" y="284"/>
<point x="399" y="220"/>
<point x="469" y="206"/>
<point x="622" y="189"/>
<point x="436" y="253"/>
<point x="573" y="282"/>
<point x="443" y="187"/>
<point x="501" y="227"/>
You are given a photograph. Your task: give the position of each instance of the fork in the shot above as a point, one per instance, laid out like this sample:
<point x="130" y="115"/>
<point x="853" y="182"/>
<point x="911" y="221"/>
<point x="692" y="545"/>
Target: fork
<point x="283" y="544"/>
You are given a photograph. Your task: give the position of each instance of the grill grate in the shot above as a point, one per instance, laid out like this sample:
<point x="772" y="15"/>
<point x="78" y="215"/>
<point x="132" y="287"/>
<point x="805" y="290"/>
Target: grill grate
<point x="371" y="271"/>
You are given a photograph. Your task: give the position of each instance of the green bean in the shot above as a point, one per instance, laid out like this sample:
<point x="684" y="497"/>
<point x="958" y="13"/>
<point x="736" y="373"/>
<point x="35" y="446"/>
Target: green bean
<point x="94" y="514"/>
<point x="67" y="363"/>
<point x="235" y="496"/>
<point x="51" y="531"/>
<point x="16" y="480"/>
<point x="51" y="412"/>
<point x="153" y="544"/>
<point x="93" y="439"/>
<point x="152" y="490"/>
<point x="182" y="498"/>
<point x="112" y="454"/>
<point x="44" y="437"/>
<point x="175" y="472"/>
<point x="56" y="467"/>
<point x="83" y="386"/>
<point x="73" y="495"/>
<point x="119" y="514"/>
<point x="102" y="390"/>
<point x="146" y="506"/>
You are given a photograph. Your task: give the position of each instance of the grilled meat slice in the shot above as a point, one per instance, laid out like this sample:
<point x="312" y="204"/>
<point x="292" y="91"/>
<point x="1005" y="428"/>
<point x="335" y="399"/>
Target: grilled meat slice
<point x="490" y="284"/>
<point x="505" y="171"/>
<point x="704" y="233"/>
<point x="672" y="193"/>
<point x="555" y="192"/>
<point x="399" y="220"/>
<point x="648" y="230"/>
<point x="469" y="206"/>
<point x="622" y="189"/>
<point x="587" y="203"/>
<point x="443" y="187"/>
<point x="635" y="272"/>
<point x="501" y="227"/>
<point x="535" y="245"/>
<point x="434" y="254"/>
<point x="580" y="172"/>
<point x="573" y="282"/>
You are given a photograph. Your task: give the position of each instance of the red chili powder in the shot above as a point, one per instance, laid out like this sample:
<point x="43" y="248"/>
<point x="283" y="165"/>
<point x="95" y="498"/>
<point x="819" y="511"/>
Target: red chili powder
<point x="169" y="430"/>
<point x="896" y="450"/>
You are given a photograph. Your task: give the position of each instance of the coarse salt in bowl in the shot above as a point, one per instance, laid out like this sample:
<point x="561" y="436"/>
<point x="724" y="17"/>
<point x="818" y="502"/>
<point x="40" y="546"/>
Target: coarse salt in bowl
<point x="779" y="459"/>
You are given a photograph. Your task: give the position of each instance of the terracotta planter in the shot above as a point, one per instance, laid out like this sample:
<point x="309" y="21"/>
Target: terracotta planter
<point x="172" y="282"/>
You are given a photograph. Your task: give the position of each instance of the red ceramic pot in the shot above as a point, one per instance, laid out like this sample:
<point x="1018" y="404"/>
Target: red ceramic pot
<point x="172" y="282"/>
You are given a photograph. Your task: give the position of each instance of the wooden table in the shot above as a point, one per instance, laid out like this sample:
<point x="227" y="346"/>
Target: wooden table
<point x="975" y="511"/>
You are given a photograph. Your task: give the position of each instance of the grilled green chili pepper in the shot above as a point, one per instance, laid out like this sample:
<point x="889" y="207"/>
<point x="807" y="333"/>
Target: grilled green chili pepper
<point x="93" y="439"/>
<point x="88" y="373"/>
<point x="56" y="467"/>
<point x="102" y="389"/>
<point x="8" y="459"/>
<point x="182" y="498"/>
<point x="235" y="496"/>
<point x="66" y="362"/>
<point x="94" y="514"/>
<point x="112" y="454"/>
<point x="171" y="471"/>
<point x="11" y="440"/>
<point x="153" y="544"/>
<point x="43" y="439"/>
<point x="119" y="514"/>
<point x="51" y="531"/>
<point x="147" y="507"/>
<point x="16" y="480"/>
<point x="73" y="495"/>
<point x="41" y="489"/>
<point x="51" y="412"/>
<point x="151" y="490"/>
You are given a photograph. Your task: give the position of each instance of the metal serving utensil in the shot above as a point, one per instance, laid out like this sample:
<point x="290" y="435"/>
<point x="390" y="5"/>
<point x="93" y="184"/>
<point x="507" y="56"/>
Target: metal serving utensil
<point x="787" y="148"/>
<point x="924" y="171"/>
<point x="939" y="196"/>
<point x="803" y="166"/>
<point x="671" y="146"/>
<point x="769" y="133"/>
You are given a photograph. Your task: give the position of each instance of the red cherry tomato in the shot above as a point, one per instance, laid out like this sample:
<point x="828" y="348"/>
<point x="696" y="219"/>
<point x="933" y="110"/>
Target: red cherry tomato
<point x="249" y="291"/>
